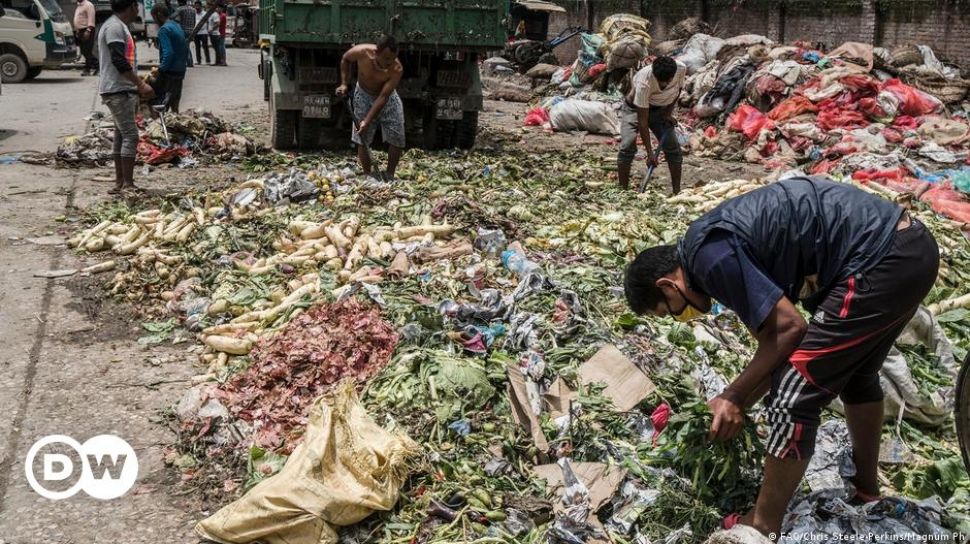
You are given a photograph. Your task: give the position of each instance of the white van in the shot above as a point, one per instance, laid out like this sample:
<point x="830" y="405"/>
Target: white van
<point x="34" y="34"/>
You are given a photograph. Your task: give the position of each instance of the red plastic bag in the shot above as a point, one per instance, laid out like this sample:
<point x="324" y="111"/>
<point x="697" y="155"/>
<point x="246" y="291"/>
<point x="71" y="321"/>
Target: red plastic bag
<point x="152" y="154"/>
<point x="595" y="71"/>
<point x="536" y="117"/>
<point x="879" y="175"/>
<point x="823" y="166"/>
<point x="710" y="131"/>
<point x="748" y="120"/>
<point x="892" y="135"/>
<point x="873" y="110"/>
<point x="906" y="122"/>
<point x="833" y="118"/>
<point x="912" y="101"/>
<point x="865" y="85"/>
<point x="791" y="107"/>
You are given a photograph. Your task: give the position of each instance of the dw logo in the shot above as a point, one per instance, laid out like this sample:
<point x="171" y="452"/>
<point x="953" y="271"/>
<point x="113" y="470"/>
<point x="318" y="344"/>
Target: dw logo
<point x="108" y="467"/>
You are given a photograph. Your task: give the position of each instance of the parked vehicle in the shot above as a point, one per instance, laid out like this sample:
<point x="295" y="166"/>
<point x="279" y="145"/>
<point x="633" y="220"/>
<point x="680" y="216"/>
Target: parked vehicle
<point x="34" y="34"/>
<point x="528" y="30"/>
<point x="442" y="43"/>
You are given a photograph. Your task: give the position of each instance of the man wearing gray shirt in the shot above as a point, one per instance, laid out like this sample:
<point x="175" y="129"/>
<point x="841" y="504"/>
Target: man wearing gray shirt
<point x="120" y="88"/>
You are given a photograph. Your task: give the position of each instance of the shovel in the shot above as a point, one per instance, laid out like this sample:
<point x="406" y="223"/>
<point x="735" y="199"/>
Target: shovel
<point x="376" y="171"/>
<point x="656" y="157"/>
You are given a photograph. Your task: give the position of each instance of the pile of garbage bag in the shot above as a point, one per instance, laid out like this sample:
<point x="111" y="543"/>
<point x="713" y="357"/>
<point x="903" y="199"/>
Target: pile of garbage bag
<point x="505" y="391"/>
<point x="184" y="139"/>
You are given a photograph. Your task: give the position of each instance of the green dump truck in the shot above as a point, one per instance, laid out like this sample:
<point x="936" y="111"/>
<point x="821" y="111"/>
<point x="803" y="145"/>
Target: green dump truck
<point x="442" y="42"/>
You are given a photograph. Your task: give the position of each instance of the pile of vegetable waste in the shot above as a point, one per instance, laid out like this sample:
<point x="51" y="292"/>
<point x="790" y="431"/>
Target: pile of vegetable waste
<point x="467" y="302"/>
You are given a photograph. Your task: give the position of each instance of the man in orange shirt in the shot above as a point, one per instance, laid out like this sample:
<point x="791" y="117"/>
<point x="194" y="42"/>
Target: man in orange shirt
<point x="84" y="32"/>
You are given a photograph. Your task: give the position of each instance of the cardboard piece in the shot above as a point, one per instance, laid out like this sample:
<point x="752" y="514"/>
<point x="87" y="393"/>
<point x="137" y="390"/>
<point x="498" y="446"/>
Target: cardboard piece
<point x="600" y="479"/>
<point x="521" y="409"/>
<point x="626" y="385"/>
<point x="555" y="402"/>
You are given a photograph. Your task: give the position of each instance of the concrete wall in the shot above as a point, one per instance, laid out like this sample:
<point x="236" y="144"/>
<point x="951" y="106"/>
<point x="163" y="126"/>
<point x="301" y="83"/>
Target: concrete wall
<point x="942" y="24"/>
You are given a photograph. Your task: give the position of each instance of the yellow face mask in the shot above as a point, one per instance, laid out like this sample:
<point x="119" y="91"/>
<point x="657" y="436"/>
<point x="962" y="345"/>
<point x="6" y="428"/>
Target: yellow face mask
<point x="689" y="313"/>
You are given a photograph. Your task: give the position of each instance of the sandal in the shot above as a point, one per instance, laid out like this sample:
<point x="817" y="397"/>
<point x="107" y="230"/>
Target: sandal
<point x="730" y="520"/>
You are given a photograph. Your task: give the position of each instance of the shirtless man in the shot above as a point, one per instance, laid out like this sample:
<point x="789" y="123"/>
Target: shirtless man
<point x="375" y="99"/>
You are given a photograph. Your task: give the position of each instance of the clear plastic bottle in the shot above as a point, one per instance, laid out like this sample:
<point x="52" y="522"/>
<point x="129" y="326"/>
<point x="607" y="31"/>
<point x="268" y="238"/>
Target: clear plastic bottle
<point x="517" y="263"/>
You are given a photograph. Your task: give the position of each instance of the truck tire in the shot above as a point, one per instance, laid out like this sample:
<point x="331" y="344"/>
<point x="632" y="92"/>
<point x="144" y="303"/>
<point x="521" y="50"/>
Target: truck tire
<point x="34" y="71"/>
<point x="467" y="130"/>
<point x="308" y="133"/>
<point x="13" y="68"/>
<point x="962" y="412"/>
<point x="438" y="133"/>
<point x="282" y="128"/>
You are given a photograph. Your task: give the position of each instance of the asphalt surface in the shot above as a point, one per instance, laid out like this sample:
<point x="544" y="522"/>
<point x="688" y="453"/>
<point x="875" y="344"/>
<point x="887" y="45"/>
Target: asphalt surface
<point x="62" y="370"/>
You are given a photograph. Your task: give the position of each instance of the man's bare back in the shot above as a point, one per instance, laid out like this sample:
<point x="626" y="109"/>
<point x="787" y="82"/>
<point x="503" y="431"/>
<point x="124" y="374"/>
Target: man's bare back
<point x="370" y="75"/>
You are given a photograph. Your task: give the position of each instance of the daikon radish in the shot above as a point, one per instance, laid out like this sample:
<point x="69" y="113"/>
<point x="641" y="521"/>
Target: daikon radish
<point x="97" y="229"/>
<point x="373" y="248"/>
<point x="225" y="344"/>
<point x="94" y="244"/>
<point x="434" y="230"/>
<point x="130" y="247"/>
<point x="184" y="234"/>
<point x="356" y="254"/>
<point x="950" y="304"/>
<point x="349" y="227"/>
<point x="100" y="267"/>
<point x="337" y="237"/>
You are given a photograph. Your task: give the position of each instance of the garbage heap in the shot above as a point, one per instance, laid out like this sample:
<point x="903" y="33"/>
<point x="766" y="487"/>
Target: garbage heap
<point x="454" y="353"/>
<point x="184" y="139"/>
<point x="893" y="118"/>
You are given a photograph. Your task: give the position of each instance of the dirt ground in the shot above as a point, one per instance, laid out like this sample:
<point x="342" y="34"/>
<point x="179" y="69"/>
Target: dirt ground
<point x="71" y="363"/>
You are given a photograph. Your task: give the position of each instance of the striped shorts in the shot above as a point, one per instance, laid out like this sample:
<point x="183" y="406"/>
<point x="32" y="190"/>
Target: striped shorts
<point x="848" y="338"/>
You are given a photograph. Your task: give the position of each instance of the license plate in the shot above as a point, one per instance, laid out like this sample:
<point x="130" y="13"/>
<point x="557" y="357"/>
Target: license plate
<point x="449" y="108"/>
<point x="316" y="107"/>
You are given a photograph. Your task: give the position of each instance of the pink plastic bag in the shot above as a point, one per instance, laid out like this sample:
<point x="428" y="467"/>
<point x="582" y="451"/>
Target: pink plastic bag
<point x="748" y="120"/>
<point x="536" y="117"/>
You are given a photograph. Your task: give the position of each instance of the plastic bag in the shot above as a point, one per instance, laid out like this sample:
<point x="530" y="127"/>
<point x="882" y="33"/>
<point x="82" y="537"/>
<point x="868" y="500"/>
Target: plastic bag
<point x="593" y="117"/>
<point x="912" y="101"/>
<point x="748" y="120"/>
<point x="699" y="50"/>
<point x="791" y="107"/>
<point x="536" y="117"/>
<point x="345" y="469"/>
<point x="832" y="118"/>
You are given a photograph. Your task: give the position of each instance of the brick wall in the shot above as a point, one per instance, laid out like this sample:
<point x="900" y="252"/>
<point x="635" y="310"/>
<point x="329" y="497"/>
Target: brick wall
<point x="944" y="25"/>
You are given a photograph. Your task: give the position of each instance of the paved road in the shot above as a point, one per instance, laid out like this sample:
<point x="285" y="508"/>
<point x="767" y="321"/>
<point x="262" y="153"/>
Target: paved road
<point x="62" y="369"/>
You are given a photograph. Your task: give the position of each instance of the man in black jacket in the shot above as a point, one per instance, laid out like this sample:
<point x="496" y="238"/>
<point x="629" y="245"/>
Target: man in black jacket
<point x="857" y="263"/>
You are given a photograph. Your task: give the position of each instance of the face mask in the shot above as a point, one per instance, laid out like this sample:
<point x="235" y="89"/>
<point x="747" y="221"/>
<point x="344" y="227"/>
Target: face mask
<point x="689" y="312"/>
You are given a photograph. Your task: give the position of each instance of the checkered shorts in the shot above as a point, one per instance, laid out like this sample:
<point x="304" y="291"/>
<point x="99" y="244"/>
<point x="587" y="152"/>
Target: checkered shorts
<point x="390" y="119"/>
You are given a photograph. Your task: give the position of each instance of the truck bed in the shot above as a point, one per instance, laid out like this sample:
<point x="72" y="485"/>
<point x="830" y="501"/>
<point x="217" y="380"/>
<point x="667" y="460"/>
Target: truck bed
<point x="420" y="24"/>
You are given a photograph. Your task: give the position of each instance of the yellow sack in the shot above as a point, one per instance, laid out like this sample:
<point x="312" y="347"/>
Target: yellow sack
<point x="346" y="468"/>
<point x="620" y="24"/>
<point x="626" y="42"/>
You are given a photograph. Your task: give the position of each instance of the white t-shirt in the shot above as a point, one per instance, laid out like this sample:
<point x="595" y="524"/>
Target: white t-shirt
<point x="647" y="92"/>
<point x="203" y="29"/>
